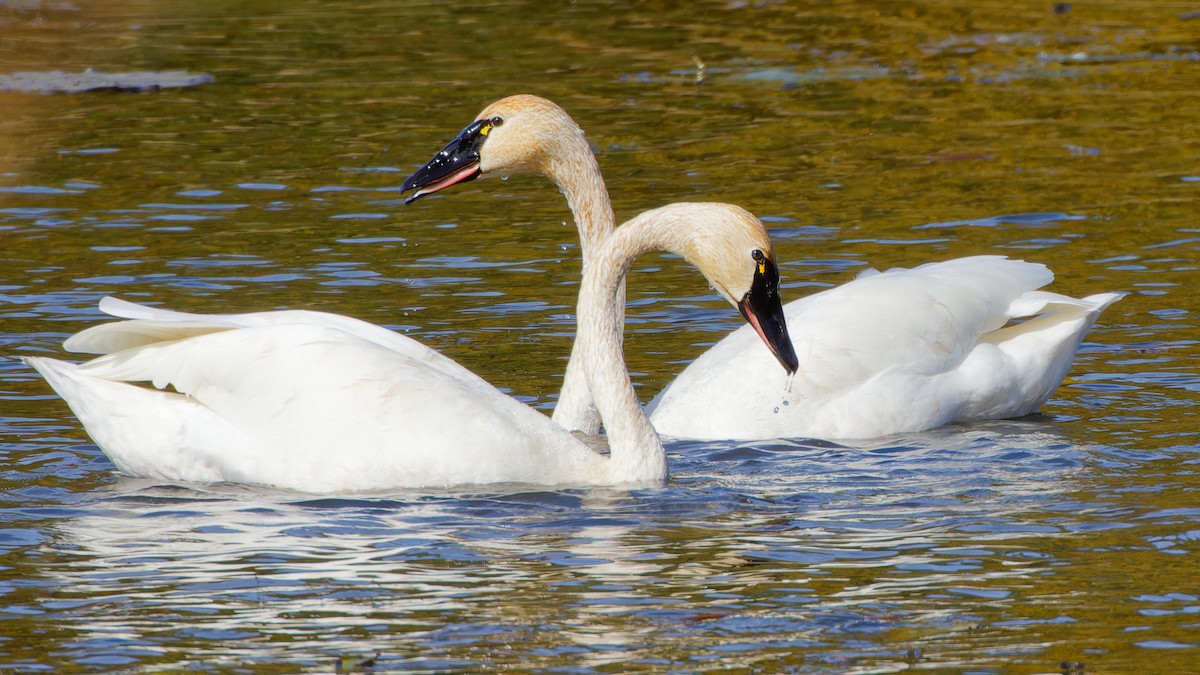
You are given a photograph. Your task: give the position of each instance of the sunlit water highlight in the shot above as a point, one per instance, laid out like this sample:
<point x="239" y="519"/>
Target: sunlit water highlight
<point x="866" y="135"/>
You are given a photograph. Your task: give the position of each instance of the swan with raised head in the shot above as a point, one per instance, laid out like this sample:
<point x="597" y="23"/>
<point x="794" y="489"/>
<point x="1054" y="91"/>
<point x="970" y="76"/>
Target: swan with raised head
<point x="898" y="351"/>
<point x="324" y="403"/>
<point x="541" y="138"/>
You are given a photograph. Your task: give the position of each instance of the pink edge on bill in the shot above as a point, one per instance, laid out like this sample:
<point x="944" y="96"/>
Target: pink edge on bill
<point x="458" y="177"/>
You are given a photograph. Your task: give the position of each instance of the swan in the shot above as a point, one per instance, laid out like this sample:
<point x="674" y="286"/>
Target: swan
<point x="899" y="351"/>
<point x="549" y="143"/>
<point x="322" y="403"/>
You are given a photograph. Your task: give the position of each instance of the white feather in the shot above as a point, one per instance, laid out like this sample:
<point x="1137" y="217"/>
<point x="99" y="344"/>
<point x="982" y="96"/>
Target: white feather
<point x="324" y="403"/>
<point x="902" y="350"/>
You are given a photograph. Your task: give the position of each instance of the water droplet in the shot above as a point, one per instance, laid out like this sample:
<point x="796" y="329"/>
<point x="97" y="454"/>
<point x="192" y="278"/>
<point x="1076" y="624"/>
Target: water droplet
<point x="777" y="410"/>
<point x="503" y="177"/>
<point x="787" y="402"/>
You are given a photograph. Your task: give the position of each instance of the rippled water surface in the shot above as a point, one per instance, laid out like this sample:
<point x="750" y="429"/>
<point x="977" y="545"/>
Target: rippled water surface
<point x="865" y="134"/>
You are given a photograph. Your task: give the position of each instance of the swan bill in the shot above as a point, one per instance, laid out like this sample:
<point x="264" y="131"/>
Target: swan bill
<point x="456" y="163"/>
<point x="763" y="309"/>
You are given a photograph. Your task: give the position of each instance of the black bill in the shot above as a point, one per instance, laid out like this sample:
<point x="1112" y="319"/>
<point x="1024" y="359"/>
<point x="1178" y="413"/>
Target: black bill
<point x="763" y="309"/>
<point x="458" y="162"/>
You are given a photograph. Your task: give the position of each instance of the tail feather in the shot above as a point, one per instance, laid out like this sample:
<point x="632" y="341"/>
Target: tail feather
<point x="124" y="309"/>
<point x="144" y="326"/>
<point x="1029" y="360"/>
<point x="146" y="432"/>
<point x="1037" y="302"/>
<point x="108" y="338"/>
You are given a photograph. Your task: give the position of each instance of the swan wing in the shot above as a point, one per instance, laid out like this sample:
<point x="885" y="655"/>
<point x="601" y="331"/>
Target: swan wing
<point x="893" y="351"/>
<point x="309" y="407"/>
<point x="146" y="325"/>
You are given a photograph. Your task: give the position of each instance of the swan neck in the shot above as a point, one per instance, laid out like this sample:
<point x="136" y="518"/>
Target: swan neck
<point x="573" y="168"/>
<point x="637" y="453"/>
<point x="577" y="174"/>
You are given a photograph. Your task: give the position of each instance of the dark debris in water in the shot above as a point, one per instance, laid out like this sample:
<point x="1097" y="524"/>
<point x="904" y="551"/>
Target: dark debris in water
<point x="351" y="664"/>
<point x="60" y="82"/>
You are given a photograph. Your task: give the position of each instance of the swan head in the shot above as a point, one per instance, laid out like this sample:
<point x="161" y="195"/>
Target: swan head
<point x="517" y="134"/>
<point x="732" y="249"/>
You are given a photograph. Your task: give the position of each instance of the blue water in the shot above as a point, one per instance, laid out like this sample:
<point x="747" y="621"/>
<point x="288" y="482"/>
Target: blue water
<point x="865" y="134"/>
<point x="753" y="555"/>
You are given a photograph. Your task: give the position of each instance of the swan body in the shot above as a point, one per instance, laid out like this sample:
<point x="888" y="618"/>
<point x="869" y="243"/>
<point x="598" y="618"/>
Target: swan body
<point x="324" y="403"/>
<point x="898" y="351"/>
<point x="903" y="350"/>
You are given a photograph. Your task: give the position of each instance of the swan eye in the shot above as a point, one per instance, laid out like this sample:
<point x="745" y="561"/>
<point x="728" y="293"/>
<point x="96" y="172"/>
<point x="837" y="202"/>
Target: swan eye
<point x="490" y="124"/>
<point x="760" y="259"/>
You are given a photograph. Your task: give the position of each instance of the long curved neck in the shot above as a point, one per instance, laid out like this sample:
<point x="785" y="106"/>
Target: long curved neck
<point x="577" y="174"/>
<point x="573" y="168"/>
<point x="636" y="452"/>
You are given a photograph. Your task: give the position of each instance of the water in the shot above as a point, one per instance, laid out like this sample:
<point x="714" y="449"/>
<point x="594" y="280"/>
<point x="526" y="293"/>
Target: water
<point x="873" y="134"/>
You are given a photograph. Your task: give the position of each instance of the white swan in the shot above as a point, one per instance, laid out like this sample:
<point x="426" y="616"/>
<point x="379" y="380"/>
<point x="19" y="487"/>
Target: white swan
<point x="905" y="350"/>
<point x="898" y="351"/>
<point x="540" y="138"/>
<point x="324" y="403"/>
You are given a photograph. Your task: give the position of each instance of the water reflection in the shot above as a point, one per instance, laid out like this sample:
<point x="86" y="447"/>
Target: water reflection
<point x="772" y="546"/>
<point x="873" y="134"/>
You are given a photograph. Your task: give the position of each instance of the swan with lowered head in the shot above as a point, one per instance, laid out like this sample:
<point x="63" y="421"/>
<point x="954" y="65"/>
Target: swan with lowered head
<point x="904" y="350"/>
<point x="324" y="403"/>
